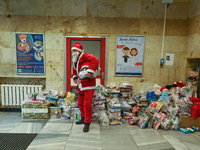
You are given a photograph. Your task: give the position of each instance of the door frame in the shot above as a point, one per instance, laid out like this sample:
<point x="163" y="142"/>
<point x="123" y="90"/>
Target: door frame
<point x="65" y="59"/>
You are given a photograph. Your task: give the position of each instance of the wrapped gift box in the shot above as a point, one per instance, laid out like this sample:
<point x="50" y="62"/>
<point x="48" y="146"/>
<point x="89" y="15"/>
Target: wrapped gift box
<point x="35" y="110"/>
<point x="55" y="112"/>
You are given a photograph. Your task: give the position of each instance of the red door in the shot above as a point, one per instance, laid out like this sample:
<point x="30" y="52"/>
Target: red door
<point x="94" y="46"/>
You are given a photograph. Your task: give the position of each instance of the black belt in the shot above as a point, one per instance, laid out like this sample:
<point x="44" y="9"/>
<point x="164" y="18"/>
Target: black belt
<point x="81" y="94"/>
<point x="86" y="78"/>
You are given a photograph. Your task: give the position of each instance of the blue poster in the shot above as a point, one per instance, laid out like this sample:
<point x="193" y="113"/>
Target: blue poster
<point x="129" y="55"/>
<point x="30" y="53"/>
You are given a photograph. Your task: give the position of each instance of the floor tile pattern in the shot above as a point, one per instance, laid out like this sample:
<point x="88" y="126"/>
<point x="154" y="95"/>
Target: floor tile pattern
<point x="66" y="135"/>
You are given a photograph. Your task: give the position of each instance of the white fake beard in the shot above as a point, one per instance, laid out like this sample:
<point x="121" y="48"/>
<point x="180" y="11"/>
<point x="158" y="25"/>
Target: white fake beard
<point x="74" y="57"/>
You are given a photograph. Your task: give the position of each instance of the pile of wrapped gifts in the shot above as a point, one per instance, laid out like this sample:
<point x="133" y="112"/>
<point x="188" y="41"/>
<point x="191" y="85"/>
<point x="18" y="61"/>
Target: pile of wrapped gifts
<point x="155" y="107"/>
<point x="51" y="104"/>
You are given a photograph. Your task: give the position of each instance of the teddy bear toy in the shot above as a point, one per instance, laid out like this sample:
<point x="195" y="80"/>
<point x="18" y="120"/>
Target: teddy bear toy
<point x="23" y="46"/>
<point x="164" y="95"/>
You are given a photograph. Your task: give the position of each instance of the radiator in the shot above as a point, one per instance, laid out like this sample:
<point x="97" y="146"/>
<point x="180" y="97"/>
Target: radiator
<point x="13" y="95"/>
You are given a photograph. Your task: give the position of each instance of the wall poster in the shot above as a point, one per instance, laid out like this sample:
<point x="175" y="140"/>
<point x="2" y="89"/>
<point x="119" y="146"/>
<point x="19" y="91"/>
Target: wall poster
<point x="129" y="55"/>
<point x="169" y="59"/>
<point x="30" y="53"/>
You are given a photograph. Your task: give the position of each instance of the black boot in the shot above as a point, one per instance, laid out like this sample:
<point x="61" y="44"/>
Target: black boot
<point x="80" y="121"/>
<point x="86" y="127"/>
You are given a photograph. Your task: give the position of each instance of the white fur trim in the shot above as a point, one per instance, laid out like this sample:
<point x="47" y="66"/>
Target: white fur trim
<point x="76" y="68"/>
<point x="86" y="88"/>
<point x="75" y="76"/>
<point x="75" y="48"/>
<point x="89" y="70"/>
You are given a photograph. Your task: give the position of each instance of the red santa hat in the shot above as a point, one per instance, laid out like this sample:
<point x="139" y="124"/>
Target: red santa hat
<point x="78" y="46"/>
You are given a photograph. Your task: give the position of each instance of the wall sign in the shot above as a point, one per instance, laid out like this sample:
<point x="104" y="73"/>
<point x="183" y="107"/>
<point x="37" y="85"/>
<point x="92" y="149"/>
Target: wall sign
<point x="29" y="49"/>
<point x="129" y="55"/>
<point x="169" y="59"/>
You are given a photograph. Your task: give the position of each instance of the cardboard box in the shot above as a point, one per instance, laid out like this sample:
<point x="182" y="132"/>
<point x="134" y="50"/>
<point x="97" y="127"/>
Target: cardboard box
<point x="189" y="121"/>
<point x="35" y="110"/>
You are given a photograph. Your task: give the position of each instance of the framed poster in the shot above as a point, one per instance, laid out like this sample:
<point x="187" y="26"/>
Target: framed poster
<point x="29" y="49"/>
<point x="129" y="55"/>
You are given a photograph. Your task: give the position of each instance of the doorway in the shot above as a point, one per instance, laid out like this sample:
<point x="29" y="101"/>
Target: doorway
<point x="93" y="45"/>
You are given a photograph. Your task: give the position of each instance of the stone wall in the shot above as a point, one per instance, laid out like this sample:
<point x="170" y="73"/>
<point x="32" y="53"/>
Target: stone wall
<point x="193" y="46"/>
<point x="56" y="18"/>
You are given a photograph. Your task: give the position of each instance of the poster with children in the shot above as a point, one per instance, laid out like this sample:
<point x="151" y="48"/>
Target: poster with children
<point x="129" y="55"/>
<point x="29" y="49"/>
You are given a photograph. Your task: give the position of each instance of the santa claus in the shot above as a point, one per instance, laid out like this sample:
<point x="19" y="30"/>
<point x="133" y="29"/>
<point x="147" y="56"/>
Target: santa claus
<point x="85" y="67"/>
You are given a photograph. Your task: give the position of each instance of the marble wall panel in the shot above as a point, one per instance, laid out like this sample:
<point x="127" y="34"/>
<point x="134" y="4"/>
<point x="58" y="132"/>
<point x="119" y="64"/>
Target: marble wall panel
<point x="112" y="39"/>
<point x="194" y="54"/>
<point x="153" y="10"/>
<point x="4" y="7"/>
<point x="58" y="85"/>
<point x="172" y="75"/>
<point x="112" y="46"/>
<point x="54" y="24"/>
<point x="54" y="57"/>
<point x="25" y="81"/>
<point x="175" y="43"/>
<point x="194" y="25"/>
<point x="74" y="7"/>
<point x="164" y="74"/>
<point x="152" y="59"/>
<point x="152" y="74"/>
<point x="178" y="10"/>
<point x="178" y="59"/>
<point x="5" y="23"/>
<point x="75" y="25"/>
<point x="111" y="58"/>
<point x="54" y="73"/>
<point x="6" y="70"/>
<point x="27" y="7"/>
<point x="25" y="23"/>
<point x="128" y="26"/>
<point x="110" y="74"/>
<point x="182" y="0"/>
<point x="176" y="27"/>
<point x="79" y="26"/>
<point x="8" y="56"/>
<point x="53" y="40"/>
<point x="151" y="26"/>
<point x="53" y="8"/>
<point x="129" y="9"/>
<point x="7" y="40"/>
<point x="153" y="43"/>
<point x="193" y="42"/>
<point x="102" y="8"/>
<point x="101" y="25"/>
<point x="173" y="0"/>
<point x="194" y="8"/>
<point x="180" y="75"/>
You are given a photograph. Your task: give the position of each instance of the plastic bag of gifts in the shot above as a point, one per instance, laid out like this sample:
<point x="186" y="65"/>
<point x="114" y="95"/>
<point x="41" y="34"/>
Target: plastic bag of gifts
<point x="114" y="115"/>
<point x="165" y="123"/>
<point x="103" y="118"/>
<point x="114" y="103"/>
<point x="66" y="114"/>
<point x="95" y="113"/>
<point x="157" y="118"/>
<point x="70" y="98"/>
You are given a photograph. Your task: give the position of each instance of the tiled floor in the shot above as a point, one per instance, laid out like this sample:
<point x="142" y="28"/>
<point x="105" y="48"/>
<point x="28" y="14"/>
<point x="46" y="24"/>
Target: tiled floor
<point x="65" y="135"/>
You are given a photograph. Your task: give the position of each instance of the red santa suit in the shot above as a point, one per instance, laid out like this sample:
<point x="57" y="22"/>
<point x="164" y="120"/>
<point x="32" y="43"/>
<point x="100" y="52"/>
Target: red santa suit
<point x="86" y="63"/>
